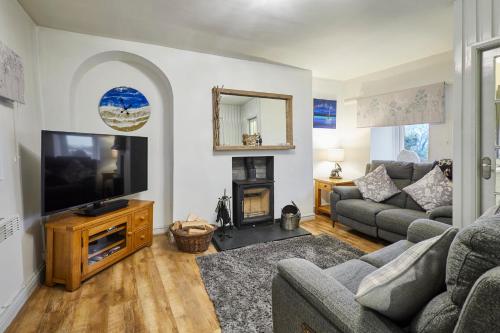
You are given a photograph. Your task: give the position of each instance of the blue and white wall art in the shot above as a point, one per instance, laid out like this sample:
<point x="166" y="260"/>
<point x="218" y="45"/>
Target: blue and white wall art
<point x="325" y="114"/>
<point x="124" y="109"/>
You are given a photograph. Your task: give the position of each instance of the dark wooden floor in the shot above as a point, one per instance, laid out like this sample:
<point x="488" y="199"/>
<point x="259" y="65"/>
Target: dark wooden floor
<point x="158" y="289"/>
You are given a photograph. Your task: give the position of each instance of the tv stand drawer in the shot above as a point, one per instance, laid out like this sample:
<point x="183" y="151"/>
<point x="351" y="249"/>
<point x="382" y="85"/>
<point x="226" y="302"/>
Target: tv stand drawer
<point x="143" y="238"/>
<point x="141" y="219"/>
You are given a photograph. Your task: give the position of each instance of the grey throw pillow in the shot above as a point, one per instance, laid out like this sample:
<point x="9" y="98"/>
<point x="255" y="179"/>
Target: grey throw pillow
<point x="432" y="190"/>
<point x="402" y="287"/>
<point x="377" y="185"/>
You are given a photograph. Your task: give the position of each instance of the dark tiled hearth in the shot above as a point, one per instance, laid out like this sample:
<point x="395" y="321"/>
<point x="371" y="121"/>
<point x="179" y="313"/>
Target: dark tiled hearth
<point x="262" y="233"/>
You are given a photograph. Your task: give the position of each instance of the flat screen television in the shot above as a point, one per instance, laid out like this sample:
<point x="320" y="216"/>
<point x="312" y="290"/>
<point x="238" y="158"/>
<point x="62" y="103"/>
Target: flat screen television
<point x="80" y="169"/>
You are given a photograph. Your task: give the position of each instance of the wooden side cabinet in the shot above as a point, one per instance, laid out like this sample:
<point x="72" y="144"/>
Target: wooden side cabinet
<point x="326" y="184"/>
<point x="79" y="247"/>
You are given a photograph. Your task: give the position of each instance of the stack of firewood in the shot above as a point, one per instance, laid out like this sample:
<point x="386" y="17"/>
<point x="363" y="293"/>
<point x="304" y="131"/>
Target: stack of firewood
<point x="192" y="226"/>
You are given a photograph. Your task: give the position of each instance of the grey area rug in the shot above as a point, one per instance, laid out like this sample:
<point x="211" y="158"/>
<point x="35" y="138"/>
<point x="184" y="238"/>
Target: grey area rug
<point x="239" y="281"/>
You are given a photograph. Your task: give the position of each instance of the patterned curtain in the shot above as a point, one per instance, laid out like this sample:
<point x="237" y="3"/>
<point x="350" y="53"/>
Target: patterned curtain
<point x="422" y="105"/>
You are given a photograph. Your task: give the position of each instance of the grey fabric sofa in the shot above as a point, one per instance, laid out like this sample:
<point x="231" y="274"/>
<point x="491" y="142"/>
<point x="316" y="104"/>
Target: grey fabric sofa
<point x="391" y="218"/>
<point x="308" y="299"/>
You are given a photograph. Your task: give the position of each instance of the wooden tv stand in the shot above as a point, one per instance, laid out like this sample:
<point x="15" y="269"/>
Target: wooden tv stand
<point x="79" y="247"/>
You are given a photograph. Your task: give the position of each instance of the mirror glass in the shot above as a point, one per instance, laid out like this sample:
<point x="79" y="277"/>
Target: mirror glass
<point x="252" y="121"/>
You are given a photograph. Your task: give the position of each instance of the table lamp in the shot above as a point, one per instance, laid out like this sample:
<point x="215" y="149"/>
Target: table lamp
<point x="335" y="155"/>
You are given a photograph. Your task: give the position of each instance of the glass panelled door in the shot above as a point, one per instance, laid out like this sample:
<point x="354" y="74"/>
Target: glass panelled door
<point x="490" y="129"/>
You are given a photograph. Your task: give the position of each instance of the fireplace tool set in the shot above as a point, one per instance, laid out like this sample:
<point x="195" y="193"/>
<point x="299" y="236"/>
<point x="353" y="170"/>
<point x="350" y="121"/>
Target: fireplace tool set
<point x="223" y="211"/>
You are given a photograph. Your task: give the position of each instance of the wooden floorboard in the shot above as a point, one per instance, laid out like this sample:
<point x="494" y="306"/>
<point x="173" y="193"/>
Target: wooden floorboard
<point x="157" y="289"/>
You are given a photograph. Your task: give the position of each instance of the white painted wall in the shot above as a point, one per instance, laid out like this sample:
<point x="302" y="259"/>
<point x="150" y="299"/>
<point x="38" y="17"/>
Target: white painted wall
<point x="355" y="141"/>
<point x="477" y="24"/>
<point x="383" y="143"/>
<point x="200" y="175"/>
<point x="85" y="118"/>
<point x="20" y="256"/>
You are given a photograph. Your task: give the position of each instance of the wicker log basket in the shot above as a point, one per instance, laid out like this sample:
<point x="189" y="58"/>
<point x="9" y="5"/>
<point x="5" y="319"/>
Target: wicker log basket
<point x="192" y="239"/>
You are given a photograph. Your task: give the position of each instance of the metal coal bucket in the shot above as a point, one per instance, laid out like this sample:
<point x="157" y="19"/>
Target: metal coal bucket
<point x="290" y="217"/>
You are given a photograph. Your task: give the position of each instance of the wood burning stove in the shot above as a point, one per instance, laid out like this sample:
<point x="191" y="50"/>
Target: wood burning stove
<point x="253" y="201"/>
<point x="253" y="190"/>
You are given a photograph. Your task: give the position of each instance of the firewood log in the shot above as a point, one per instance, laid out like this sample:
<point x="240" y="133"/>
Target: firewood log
<point x="194" y="231"/>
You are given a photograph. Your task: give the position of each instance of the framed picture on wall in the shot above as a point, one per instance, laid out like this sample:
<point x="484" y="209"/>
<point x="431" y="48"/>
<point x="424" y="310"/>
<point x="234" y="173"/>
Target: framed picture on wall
<point x="325" y="113"/>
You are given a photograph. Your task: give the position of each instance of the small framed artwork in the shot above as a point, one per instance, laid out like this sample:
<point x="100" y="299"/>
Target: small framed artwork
<point x="325" y="113"/>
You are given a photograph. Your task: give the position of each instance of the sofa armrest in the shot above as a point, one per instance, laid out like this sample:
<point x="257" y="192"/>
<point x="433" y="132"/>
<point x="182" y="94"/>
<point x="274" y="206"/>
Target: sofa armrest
<point x="331" y="299"/>
<point x="481" y="310"/>
<point x="443" y="211"/>
<point x="423" y="229"/>
<point x="342" y="193"/>
<point x="347" y="192"/>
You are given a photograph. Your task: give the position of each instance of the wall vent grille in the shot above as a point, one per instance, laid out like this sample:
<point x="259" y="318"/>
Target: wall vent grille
<point x="9" y="226"/>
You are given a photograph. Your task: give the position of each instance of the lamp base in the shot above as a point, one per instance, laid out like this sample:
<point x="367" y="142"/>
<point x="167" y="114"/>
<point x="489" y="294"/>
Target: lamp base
<point x="335" y="174"/>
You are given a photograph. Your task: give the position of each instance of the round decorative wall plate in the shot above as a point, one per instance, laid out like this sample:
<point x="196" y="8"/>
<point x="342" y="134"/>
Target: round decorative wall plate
<point x="124" y="109"/>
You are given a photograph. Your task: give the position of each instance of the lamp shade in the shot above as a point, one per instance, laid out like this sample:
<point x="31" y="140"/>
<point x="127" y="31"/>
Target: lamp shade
<point x="335" y="154"/>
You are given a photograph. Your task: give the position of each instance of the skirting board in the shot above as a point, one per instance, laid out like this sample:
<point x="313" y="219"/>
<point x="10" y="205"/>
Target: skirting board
<point x="160" y="230"/>
<point x="308" y="217"/>
<point x="8" y="315"/>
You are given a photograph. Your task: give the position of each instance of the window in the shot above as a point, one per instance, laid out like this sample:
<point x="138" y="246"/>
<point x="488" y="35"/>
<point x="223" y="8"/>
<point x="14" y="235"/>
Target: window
<point x="252" y="126"/>
<point x="416" y="138"/>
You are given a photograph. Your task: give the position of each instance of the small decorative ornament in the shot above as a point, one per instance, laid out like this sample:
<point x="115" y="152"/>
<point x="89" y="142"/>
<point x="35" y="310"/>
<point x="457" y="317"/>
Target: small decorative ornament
<point x="124" y="109"/>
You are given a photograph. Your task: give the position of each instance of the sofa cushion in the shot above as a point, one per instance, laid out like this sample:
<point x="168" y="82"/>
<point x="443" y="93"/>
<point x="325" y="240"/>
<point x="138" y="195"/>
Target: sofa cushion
<point x="475" y="250"/>
<point x="395" y="169"/>
<point x="400" y="198"/>
<point x="329" y="299"/>
<point x="383" y="256"/>
<point x="367" y="229"/>
<point x="398" y="220"/>
<point x="432" y="190"/>
<point x="438" y="316"/>
<point x="389" y="236"/>
<point x="363" y="211"/>
<point x="401" y="288"/>
<point x="377" y="185"/>
<point x="412" y="204"/>
<point x="420" y="170"/>
<point x="350" y="273"/>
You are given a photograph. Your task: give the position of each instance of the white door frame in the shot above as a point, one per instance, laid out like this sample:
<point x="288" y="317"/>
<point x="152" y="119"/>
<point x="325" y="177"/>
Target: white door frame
<point x="467" y="152"/>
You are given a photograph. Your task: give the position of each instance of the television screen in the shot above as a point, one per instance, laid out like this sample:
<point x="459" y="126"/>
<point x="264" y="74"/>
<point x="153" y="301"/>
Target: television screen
<point x="81" y="168"/>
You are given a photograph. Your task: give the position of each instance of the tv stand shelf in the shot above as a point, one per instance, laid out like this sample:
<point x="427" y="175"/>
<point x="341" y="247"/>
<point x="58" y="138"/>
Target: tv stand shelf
<point x="79" y="247"/>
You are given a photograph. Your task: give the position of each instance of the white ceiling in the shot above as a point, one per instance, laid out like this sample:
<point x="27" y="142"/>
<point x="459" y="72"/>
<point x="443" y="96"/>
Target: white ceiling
<point x="337" y="39"/>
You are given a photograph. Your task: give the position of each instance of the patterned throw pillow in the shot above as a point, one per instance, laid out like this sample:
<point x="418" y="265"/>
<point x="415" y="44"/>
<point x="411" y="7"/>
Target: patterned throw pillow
<point x="377" y="185"/>
<point x="446" y="165"/>
<point x="402" y="287"/>
<point x="432" y="190"/>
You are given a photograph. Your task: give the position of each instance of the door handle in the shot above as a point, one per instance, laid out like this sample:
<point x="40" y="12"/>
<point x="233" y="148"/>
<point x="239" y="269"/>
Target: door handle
<point x="486" y="168"/>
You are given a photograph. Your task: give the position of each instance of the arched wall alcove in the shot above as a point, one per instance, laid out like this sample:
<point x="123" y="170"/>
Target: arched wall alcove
<point x="107" y="70"/>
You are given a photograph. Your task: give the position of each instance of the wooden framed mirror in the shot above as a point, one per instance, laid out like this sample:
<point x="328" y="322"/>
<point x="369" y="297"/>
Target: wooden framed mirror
<point x="249" y="120"/>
